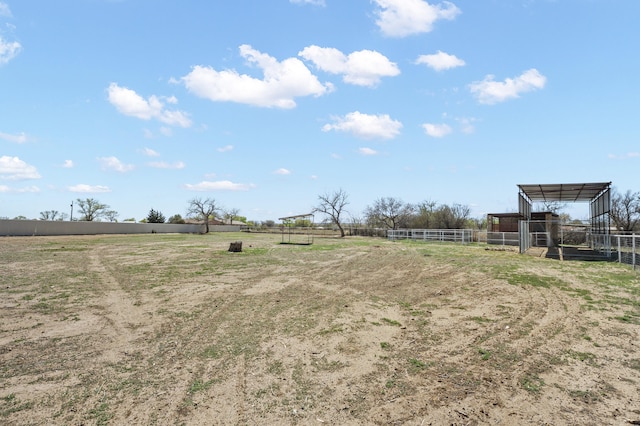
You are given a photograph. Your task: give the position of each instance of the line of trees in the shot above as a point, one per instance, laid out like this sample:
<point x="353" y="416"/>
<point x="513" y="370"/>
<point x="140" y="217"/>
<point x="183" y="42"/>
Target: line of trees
<point x="393" y="213"/>
<point x="384" y="212"/>
<point x="90" y="209"/>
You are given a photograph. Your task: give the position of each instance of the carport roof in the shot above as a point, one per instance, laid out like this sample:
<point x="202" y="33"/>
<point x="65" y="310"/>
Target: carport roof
<point x="567" y="192"/>
<point x="298" y="216"/>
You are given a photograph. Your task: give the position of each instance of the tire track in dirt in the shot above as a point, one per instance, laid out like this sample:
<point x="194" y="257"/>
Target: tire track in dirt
<point x="551" y="316"/>
<point x="518" y="342"/>
<point x="122" y="317"/>
<point x="241" y="390"/>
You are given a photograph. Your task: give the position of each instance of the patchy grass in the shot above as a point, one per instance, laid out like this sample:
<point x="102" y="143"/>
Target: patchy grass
<point x="11" y="404"/>
<point x="416" y="365"/>
<point x="199" y="386"/>
<point x="485" y="353"/>
<point x="101" y="414"/>
<point x="585" y="357"/>
<point x="388" y="321"/>
<point x="344" y="331"/>
<point x="532" y="383"/>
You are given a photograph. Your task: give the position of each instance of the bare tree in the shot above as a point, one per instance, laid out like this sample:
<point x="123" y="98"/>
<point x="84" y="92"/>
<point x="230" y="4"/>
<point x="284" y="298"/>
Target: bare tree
<point x="424" y="216"/>
<point x="550" y="206"/>
<point x="625" y="210"/>
<point x="111" y="215"/>
<point x="452" y="217"/>
<point x="91" y="209"/>
<point x="50" y="215"/>
<point x="203" y="210"/>
<point x="230" y="215"/>
<point x="389" y="212"/>
<point x="333" y="205"/>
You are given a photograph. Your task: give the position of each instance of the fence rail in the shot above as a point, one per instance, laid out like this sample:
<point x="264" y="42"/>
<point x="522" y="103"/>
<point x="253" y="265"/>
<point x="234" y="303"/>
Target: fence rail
<point x="503" y="238"/>
<point x="628" y="248"/>
<point x="452" y="235"/>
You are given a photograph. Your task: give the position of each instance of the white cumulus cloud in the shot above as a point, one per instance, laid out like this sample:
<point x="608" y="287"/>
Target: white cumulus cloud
<point x="13" y="168"/>
<point x="489" y="91"/>
<point x="624" y="156"/>
<point x="222" y="185"/>
<point x="4" y="10"/>
<point x="440" y="61"/>
<point x="282" y="82"/>
<point x="225" y="148"/>
<point x="282" y="171"/>
<point x="113" y="163"/>
<point x="400" y="18"/>
<point x="178" y="165"/>
<point x="362" y="68"/>
<point x="467" y="124"/>
<point x="129" y="103"/>
<point x="367" y="151"/>
<point x="8" y="50"/>
<point x="436" y="130"/>
<point x="84" y="188"/>
<point x="19" y="138"/>
<point x="68" y="164"/>
<point x="366" y="126"/>
<point x="30" y="189"/>
<point x="150" y="152"/>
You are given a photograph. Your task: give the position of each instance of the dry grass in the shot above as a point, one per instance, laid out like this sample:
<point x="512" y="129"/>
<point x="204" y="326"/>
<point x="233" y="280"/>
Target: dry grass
<point x="174" y="329"/>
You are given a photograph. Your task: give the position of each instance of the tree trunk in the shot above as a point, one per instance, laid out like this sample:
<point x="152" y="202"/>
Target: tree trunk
<point x="235" y="247"/>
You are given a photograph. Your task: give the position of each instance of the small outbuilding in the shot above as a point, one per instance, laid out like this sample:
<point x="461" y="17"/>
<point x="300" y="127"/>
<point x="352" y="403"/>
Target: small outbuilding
<point x="502" y="228"/>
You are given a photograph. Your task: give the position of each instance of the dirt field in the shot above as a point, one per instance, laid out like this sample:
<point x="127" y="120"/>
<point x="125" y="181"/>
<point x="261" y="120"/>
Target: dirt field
<point x="174" y="329"/>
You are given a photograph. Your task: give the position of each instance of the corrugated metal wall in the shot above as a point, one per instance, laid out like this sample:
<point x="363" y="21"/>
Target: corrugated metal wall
<point x="45" y="227"/>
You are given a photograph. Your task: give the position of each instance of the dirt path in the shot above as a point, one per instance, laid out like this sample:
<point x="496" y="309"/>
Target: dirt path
<point x="124" y="319"/>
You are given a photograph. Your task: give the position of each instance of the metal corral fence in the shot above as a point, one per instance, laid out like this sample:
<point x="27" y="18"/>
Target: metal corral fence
<point x="451" y="235"/>
<point x="503" y="238"/>
<point x="628" y="248"/>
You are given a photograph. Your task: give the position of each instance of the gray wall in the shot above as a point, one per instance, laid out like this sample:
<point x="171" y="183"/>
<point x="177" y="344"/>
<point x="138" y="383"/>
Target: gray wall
<point x="46" y="227"/>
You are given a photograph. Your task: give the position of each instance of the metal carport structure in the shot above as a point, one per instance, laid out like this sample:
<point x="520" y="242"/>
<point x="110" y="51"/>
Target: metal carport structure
<point x="598" y="195"/>
<point x="291" y="233"/>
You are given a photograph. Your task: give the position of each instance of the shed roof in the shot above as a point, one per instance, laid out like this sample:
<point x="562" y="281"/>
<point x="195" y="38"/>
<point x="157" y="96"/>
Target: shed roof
<point x="298" y="216"/>
<point x="519" y="215"/>
<point x="568" y="192"/>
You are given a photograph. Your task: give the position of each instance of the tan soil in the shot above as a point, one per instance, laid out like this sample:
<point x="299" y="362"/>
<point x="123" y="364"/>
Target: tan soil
<point x="172" y="329"/>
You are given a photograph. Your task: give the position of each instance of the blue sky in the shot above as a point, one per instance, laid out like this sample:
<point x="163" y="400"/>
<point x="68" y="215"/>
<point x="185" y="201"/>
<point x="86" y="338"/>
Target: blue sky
<point x="264" y="105"/>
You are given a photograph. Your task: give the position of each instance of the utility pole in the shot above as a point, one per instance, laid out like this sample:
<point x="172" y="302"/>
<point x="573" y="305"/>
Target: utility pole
<point x="71" y="217"/>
